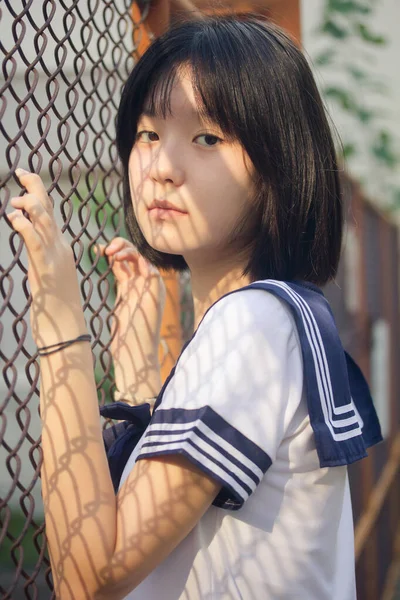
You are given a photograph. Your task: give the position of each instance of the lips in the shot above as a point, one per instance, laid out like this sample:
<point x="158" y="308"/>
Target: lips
<point x="166" y="205"/>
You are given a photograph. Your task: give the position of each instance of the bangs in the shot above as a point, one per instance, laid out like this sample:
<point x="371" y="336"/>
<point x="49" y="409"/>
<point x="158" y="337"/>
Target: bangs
<point x="221" y="77"/>
<point x="210" y="102"/>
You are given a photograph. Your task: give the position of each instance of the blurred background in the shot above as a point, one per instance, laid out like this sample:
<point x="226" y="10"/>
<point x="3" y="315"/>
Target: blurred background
<point x="63" y="66"/>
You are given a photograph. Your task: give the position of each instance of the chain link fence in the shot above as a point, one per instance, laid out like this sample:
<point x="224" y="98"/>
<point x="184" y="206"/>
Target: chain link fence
<point x="64" y="63"/>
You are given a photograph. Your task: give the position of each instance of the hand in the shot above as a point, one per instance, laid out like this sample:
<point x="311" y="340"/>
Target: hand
<point x="56" y="312"/>
<point x="139" y="307"/>
<point x="140" y="287"/>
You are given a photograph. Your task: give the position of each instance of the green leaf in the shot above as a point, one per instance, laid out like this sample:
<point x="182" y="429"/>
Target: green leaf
<point x="368" y="36"/>
<point x="17" y="525"/>
<point x="383" y="150"/>
<point x="357" y="73"/>
<point x="347" y="7"/>
<point x="395" y="200"/>
<point x="104" y="382"/>
<point x="396" y="197"/>
<point x="342" y="97"/>
<point x="349" y="150"/>
<point x="333" y="29"/>
<point x="325" y="57"/>
<point x="365" y="115"/>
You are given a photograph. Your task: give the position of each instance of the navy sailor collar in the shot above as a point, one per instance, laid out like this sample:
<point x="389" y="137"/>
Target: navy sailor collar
<point x="341" y="410"/>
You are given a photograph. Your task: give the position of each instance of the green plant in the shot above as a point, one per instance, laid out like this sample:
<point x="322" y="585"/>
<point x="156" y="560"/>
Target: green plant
<point x="29" y="542"/>
<point x="348" y="38"/>
<point x="96" y="211"/>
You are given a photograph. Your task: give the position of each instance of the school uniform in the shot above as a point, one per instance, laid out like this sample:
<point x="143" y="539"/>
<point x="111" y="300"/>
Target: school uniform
<point x="264" y="399"/>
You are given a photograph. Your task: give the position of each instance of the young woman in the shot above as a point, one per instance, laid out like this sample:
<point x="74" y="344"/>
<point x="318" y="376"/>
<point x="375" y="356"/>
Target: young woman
<point x="236" y="485"/>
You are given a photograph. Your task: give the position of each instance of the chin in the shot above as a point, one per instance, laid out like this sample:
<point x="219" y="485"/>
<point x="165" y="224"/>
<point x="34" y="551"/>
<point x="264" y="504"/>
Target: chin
<point x="166" y="248"/>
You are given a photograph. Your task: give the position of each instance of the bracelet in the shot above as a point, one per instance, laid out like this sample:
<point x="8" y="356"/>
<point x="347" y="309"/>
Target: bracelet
<point x="133" y="400"/>
<point x="46" y="350"/>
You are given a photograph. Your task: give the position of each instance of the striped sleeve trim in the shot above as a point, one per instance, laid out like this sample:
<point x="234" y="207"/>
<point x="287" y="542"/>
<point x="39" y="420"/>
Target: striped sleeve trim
<point x="210" y="442"/>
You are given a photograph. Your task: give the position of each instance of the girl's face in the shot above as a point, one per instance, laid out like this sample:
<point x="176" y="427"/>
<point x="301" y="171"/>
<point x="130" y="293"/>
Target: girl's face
<point x="191" y="164"/>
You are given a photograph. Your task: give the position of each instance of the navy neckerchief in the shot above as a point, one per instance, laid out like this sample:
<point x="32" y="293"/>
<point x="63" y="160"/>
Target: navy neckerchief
<point x="341" y="410"/>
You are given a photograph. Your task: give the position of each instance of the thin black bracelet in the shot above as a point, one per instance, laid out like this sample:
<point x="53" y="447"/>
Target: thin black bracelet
<point x="46" y="350"/>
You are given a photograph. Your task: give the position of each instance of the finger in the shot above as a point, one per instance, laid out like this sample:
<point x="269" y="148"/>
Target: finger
<point x="104" y="249"/>
<point x="34" y="185"/>
<point x="130" y="256"/>
<point x="122" y="271"/>
<point x="23" y="226"/>
<point x="35" y="209"/>
<point x="126" y="254"/>
<point x="115" y="245"/>
<point x="99" y="249"/>
<point x="140" y="265"/>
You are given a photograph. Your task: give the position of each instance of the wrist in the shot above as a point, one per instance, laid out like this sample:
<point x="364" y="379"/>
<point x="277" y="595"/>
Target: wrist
<point x="142" y="325"/>
<point x="138" y="380"/>
<point x="60" y="332"/>
<point x="52" y="348"/>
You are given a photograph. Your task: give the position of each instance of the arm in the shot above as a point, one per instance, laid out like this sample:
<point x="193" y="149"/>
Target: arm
<point x="137" y="318"/>
<point x="78" y="496"/>
<point x="104" y="546"/>
<point x="136" y="323"/>
<point x="136" y="364"/>
<point x="158" y="505"/>
<point x="100" y="546"/>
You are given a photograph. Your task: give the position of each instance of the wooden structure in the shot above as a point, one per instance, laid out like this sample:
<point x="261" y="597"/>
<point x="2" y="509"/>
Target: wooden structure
<point x="365" y="301"/>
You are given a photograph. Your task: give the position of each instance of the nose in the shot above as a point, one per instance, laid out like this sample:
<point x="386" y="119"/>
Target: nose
<point x="166" y="166"/>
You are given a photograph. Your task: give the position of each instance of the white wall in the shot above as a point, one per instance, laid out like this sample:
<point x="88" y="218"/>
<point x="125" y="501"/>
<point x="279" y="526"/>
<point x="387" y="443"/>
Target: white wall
<point x="103" y="83"/>
<point x="101" y="73"/>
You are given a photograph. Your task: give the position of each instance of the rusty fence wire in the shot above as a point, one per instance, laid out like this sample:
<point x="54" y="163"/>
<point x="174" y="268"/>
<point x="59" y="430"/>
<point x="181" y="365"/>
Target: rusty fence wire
<point x="64" y="63"/>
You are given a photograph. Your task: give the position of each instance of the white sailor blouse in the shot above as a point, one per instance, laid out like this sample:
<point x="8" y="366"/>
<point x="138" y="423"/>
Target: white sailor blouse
<point x="340" y="407"/>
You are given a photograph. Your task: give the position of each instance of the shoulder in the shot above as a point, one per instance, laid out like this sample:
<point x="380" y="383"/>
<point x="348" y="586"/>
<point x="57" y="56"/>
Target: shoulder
<point x="248" y="310"/>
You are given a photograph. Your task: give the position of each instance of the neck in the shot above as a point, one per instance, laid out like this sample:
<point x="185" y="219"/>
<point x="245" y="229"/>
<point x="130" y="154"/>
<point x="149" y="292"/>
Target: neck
<point x="209" y="284"/>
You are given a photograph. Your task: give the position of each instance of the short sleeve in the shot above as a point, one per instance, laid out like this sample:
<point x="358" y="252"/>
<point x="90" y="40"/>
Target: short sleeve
<point x="234" y="390"/>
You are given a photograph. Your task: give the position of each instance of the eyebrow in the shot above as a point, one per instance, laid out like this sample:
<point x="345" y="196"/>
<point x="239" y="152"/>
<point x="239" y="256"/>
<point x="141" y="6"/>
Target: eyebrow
<point x="146" y="112"/>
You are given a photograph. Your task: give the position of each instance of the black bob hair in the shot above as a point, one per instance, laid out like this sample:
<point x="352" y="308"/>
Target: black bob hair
<point x="253" y="82"/>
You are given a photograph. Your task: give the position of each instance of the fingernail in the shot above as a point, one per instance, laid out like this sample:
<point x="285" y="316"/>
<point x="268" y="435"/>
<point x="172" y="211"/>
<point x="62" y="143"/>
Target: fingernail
<point x="20" y="172"/>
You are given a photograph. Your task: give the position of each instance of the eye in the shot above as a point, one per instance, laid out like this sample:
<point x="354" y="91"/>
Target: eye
<point x="147" y="136"/>
<point x="209" y="139"/>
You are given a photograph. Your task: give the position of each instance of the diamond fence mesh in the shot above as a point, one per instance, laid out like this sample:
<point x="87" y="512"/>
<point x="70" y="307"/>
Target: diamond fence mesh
<point x="63" y="66"/>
